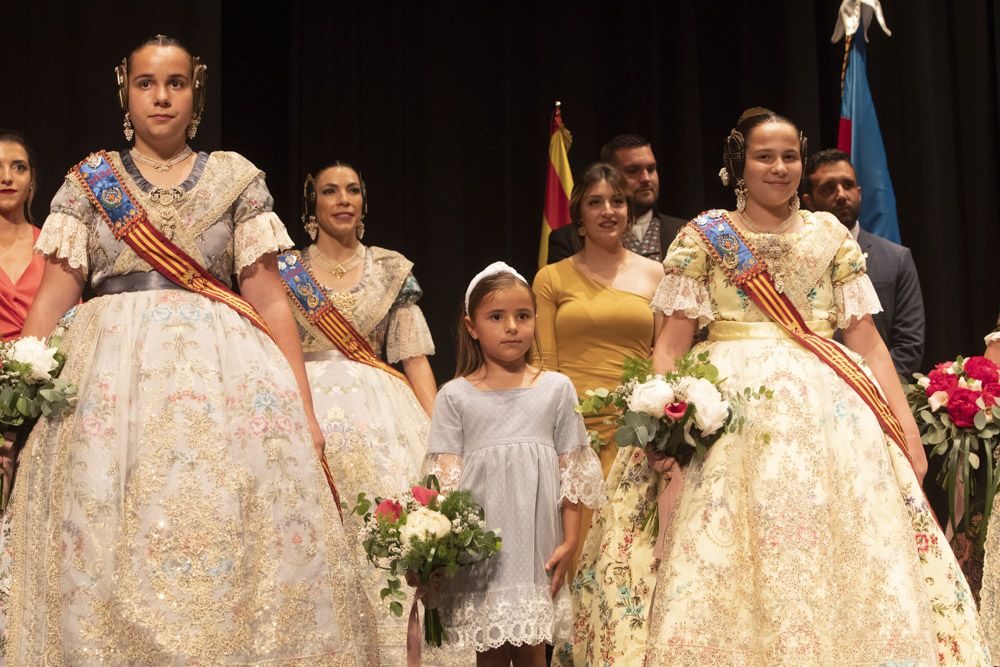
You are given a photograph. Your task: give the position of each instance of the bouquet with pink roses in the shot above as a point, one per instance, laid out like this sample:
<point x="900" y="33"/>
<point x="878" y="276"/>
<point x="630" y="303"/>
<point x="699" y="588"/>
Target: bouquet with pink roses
<point x="678" y="414"/>
<point x="957" y="407"/>
<point x="420" y="535"/>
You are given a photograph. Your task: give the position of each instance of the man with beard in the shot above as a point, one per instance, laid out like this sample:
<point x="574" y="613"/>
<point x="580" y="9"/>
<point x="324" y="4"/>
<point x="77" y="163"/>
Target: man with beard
<point x="652" y="232"/>
<point x="831" y="185"/>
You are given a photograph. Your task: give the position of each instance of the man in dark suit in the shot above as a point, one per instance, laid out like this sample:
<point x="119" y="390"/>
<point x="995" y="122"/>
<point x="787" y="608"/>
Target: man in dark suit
<point x="831" y="185"/>
<point x="652" y="232"/>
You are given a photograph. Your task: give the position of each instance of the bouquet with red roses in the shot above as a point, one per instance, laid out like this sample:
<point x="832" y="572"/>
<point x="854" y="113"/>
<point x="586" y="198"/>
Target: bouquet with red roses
<point x="957" y="408"/>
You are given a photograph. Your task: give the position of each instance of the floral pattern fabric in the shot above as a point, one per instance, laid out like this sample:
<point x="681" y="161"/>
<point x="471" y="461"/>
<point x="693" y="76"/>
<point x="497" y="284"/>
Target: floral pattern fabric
<point x="805" y="540"/>
<point x="177" y="514"/>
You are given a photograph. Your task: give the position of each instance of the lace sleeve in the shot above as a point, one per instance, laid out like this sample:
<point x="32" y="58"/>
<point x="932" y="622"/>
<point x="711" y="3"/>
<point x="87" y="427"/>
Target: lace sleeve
<point x="258" y="229"/>
<point x="855" y="299"/>
<point x="65" y="232"/>
<point x="446" y="467"/>
<point x="581" y="479"/>
<point x="681" y="293"/>
<point x="408" y="334"/>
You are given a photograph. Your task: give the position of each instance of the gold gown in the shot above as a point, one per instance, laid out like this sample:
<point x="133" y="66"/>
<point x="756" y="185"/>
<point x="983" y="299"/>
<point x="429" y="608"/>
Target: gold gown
<point x="586" y="330"/>
<point x="177" y="513"/>
<point x="806" y="539"/>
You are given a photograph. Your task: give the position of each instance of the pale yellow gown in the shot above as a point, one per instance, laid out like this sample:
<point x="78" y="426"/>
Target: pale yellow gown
<point x="177" y="514"/>
<point x="586" y="330"/>
<point x="805" y="540"/>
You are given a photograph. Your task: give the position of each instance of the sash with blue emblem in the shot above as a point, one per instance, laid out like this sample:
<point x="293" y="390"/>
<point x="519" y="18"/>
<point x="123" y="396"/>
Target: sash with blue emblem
<point x="750" y="274"/>
<point x="311" y="300"/>
<point x="129" y="223"/>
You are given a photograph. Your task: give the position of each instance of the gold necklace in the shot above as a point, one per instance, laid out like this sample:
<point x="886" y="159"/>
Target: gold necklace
<point x="156" y="164"/>
<point x="337" y="270"/>
<point x="781" y="229"/>
<point x="772" y="246"/>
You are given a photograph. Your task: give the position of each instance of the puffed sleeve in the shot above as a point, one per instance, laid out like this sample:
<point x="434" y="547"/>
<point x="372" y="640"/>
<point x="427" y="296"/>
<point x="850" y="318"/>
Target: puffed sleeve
<point x="257" y="228"/>
<point x="545" y="317"/>
<point x="581" y="479"/>
<point x="684" y="287"/>
<point x="408" y="334"/>
<point x="446" y="443"/>
<point x="65" y="232"/>
<point x="853" y="293"/>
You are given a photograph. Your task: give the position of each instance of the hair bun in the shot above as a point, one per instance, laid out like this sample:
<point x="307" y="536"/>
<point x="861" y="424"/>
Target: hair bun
<point x="754" y="111"/>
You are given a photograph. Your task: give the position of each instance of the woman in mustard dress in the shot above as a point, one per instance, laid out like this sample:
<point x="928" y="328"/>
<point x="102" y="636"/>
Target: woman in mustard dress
<point x="593" y="312"/>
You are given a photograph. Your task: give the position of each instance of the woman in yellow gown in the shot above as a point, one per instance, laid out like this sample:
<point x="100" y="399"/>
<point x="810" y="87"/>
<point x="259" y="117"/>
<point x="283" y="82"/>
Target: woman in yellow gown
<point x="593" y="312"/>
<point x="806" y="539"/>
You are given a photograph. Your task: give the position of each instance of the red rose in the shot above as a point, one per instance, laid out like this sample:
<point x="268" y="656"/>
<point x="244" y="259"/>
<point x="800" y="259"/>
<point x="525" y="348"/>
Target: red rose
<point x="389" y="509"/>
<point x="674" y="411"/>
<point x="941" y="381"/>
<point x="991" y="392"/>
<point x="423" y="495"/>
<point x="962" y="407"/>
<point x="982" y="369"/>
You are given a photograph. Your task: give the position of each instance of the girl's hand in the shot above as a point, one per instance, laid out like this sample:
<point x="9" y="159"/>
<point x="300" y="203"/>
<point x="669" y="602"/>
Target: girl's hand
<point x="319" y="442"/>
<point x="661" y="465"/>
<point x="918" y="456"/>
<point x="557" y="564"/>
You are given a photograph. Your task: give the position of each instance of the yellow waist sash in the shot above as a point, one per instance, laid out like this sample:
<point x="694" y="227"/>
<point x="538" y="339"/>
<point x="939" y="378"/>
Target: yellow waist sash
<point x="729" y="331"/>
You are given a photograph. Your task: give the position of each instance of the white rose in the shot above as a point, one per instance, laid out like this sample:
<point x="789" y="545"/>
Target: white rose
<point x="651" y="397"/>
<point x="710" y="410"/>
<point x="937" y="400"/>
<point x="33" y="353"/>
<point x="969" y="383"/>
<point x="423" y="523"/>
<point x="924" y="382"/>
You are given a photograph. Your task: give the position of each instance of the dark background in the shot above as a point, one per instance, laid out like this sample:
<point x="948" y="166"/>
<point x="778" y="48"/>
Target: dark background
<point x="444" y="107"/>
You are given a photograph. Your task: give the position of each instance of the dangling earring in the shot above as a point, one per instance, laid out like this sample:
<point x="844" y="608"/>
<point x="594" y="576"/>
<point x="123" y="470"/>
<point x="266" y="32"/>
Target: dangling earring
<point x="127" y="128"/>
<point x="360" y="230"/>
<point x="793" y="203"/>
<point x="741" y="195"/>
<point x="312" y="229"/>
<point x="192" y="129"/>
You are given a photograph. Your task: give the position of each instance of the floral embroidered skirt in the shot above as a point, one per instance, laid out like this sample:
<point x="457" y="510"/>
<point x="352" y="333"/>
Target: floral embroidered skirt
<point x="376" y="439"/>
<point x="806" y="539"/>
<point x="178" y="514"/>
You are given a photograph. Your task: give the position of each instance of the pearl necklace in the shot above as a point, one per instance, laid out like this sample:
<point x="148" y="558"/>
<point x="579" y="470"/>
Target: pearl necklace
<point x="337" y="270"/>
<point x="156" y="164"/>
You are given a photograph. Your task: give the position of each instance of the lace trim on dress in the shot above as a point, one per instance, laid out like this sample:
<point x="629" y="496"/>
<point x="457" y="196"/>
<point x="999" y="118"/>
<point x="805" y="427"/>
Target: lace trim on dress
<point x="64" y="237"/>
<point x="581" y="479"/>
<point x="446" y="467"/>
<point x="258" y="236"/>
<point x="518" y="615"/>
<point x="408" y="334"/>
<point x="678" y="292"/>
<point x="854" y="300"/>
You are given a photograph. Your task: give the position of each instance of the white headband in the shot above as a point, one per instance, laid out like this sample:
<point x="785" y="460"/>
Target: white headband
<point x="491" y="270"/>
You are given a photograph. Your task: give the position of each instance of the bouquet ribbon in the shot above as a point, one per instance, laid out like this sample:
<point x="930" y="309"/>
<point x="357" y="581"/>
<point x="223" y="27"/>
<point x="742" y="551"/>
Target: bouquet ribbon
<point x="666" y="500"/>
<point x="414" y="642"/>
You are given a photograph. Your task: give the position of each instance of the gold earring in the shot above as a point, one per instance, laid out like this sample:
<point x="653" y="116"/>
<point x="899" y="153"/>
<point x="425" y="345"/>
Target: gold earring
<point x="793" y="203"/>
<point x="581" y="231"/>
<point x="312" y="229"/>
<point x="360" y="230"/>
<point x="192" y="129"/>
<point x="741" y="195"/>
<point x="127" y="128"/>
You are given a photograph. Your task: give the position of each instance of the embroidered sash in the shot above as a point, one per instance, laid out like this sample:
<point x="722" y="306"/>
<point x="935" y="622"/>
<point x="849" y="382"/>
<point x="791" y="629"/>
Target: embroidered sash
<point x="129" y="223"/>
<point x="751" y="275"/>
<point x="321" y="313"/>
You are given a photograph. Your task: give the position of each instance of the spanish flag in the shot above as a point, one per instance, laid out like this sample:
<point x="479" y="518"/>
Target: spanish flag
<point x="558" y="183"/>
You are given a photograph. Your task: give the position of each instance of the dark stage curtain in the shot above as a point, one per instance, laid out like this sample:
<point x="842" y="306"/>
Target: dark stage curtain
<point x="444" y="108"/>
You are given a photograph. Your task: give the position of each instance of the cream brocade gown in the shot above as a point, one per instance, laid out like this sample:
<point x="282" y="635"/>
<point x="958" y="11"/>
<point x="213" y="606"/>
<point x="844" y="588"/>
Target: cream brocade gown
<point x="805" y="540"/>
<point x="177" y="514"/>
<point x="375" y="429"/>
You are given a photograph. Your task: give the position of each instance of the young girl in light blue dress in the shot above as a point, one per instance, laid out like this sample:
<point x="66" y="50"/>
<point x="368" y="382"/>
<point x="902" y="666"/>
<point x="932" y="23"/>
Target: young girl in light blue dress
<point x="508" y="433"/>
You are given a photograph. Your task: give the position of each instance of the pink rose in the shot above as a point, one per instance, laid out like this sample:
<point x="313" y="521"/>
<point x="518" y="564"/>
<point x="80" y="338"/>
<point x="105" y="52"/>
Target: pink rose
<point x="982" y="369"/>
<point x="423" y="495"/>
<point x="675" y="411"/>
<point x="941" y="381"/>
<point x="962" y="407"/>
<point x="389" y="509"/>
